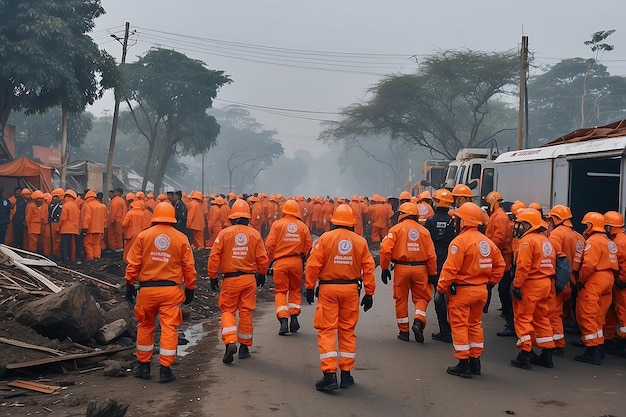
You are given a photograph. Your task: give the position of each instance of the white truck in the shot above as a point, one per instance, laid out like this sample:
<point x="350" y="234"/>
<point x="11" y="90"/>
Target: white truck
<point x="475" y="168"/>
<point x="586" y="176"/>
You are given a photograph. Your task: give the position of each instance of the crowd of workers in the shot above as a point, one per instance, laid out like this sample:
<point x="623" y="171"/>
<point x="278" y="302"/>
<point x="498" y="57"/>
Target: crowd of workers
<point x="442" y="248"/>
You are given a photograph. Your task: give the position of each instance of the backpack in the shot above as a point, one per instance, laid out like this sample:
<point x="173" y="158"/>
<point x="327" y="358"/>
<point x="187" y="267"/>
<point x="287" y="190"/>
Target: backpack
<point x="563" y="271"/>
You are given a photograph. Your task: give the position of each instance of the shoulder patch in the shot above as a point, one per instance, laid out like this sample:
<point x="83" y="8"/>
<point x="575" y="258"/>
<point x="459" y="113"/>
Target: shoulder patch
<point x="546" y="248"/>
<point x="454" y="249"/>
<point x="484" y="248"/>
<point x="580" y="246"/>
<point x="612" y="247"/>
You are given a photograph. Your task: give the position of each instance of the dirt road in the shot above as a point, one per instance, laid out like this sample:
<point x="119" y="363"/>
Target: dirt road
<point x="395" y="378"/>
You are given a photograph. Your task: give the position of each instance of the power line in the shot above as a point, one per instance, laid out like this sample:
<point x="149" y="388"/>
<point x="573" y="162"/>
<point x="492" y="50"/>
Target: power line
<point x="276" y="108"/>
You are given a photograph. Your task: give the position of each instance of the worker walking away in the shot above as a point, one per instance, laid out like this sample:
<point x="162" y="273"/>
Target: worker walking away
<point x="288" y="243"/>
<point x="34" y="220"/>
<point x="532" y="291"/>
<point x="195" y="220"/>
<point x="94" y="216"/>
<point x="134" y="223"/>
<point x="614" y="225"/>
<point x="160" y="260"/>
<point x="441" y="228"/>
<point x="409" y="246"/>
<point x="598" y="271"/>
<point x="569" y="243"/>
<point x="341" y="263"/>
<point x="238" y="252"/>
<point x="69" y="226"/>
<point x="117" y="211"/>
<point x="473" y="262"/>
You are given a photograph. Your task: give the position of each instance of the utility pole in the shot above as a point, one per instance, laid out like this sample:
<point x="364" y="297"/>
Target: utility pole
<point x="116" y="111"/>
<point x="522" y="93"/>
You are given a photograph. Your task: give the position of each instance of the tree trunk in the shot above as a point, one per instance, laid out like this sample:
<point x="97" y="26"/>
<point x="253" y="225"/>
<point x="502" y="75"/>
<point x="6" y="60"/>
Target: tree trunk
<point x="64" y="157"/>
<point x="146" y="171"/>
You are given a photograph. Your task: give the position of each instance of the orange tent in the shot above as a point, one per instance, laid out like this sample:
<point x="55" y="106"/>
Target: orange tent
<point x="40" y="176"/>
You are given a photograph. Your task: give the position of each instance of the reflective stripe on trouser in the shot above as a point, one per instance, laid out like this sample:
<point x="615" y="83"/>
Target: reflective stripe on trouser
<point x="532" y="315"/>
<point x="414" y="279"/>
<point x="336" y="316"/>
<point x="237" y="294"/>
<point x="619" y="299"/>
<point x="287" y="286"/>
<point x="92" y="246"/>
<point x="465" y="311"/>
<point x="557" y="315"/>
<point x="591" y="306"/>
<point x="165" y="302"/>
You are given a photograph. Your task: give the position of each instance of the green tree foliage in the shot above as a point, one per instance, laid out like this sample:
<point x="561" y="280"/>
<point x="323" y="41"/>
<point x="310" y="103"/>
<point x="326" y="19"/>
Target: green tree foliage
<point x="443" y="107"/>
<point x="168" y="95"/>
<point x="244" y="148"/>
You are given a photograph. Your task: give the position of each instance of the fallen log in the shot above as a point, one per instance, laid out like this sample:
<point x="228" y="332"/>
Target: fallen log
<point x="80" y="274"/>
<point x="25" y="345"/>
<point x="64" y="358"/>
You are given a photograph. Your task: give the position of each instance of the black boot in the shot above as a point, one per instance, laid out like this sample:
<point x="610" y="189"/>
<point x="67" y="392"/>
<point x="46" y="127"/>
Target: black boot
<point x="545" y="359"/>
<point x="166" y="375"/>
<point x="294" y="326"/>
<point x="244" y="352"/>
<point x="592" y="355"/>
<point x="144" y="370"/>
<point x="462" y="369"/>
<point x="346" y="379"/>
<point x="474" y="364"/>
<point x="231" y="349"/>
<point x="327" y="383"/>
<point x="418" y="331"/>
<point x="509" y="330"/>
<point x="403" y="336"/>
<point x="442" y="337"/>
<point x="559" y="351"/>
<point x="284" y="326"/>
<point x="522" y="361"/>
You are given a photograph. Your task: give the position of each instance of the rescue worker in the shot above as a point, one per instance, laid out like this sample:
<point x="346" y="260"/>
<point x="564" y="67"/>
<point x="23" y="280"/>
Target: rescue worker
<point x="614" y="224"/>
<point x="463" y="194"/>
<point x="256" y="210"/>
<point x="473" y="262"/>
<point x="19" y="216"/>
<point x="195" y="220"/>
<point x="239" y="253"/>
<point x="93" y="220"/>
<point x="69" y="226"/>
<point x="425" y="206"/>
<point x="380" y="213"/>
<point x="500" y="231"/>
<point x="33" y="221"/>
<point x="160" y="261"/>
<point x="532" y="291"/>
<point x="566" y="241"/>
<point x="54" y="215"/>
<point x="357" y="211"/>
<point x="134" y="223"/>
<point x="214" y="223"/>
<point x="597" y="274"/>
<point x="45" y="238"/>
<point x="317" y="216"/>
<point x="410" y="247"/>
<point x="181" y="212"/>
<point x="5" y="214"/>
<point x="117" y="211"/>
<point x="404" y="197"/>
<point x="341" y="262"/>
<point x="441" y="228"/>
<point x="288" y="243"/>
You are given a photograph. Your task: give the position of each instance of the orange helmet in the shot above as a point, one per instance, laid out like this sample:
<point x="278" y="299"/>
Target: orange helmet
<point x="90" y="194"/>
<point x="461" y="190"/>
<point x="26" y="191"/>
<point x="443" y="198"/>
<point x="343" y="216"/>
<point x="492" y="199"/>
<point x="239" y="209"/>
<point x="530" y="216"/>
<point x="140" y="195"/>
<point x="404" y="195"/>
<point x="594" y="222"/>
<point x="425" y="195"/>
<point x="219" y="200"/>
<point x="535" y="205"/>
<point x="470" y="213"/>
<point x="164" y="213"/>
<point x="71" y="193"/>
<point x="47" y="198"/>
<point x="161" y="197"/>
<point x="150" y="195"/>
<point x="231" y="196"/>
<point x="291" y="207"/>
<point x="560" y="213"/>
<point x="37" y="194"/>
<point x="58" y="192"/>
<point x="517" y="206"/>
<point x="613" y="221"/>
<point x="196" y="195"/>
<point x="407" y="209"/>
<point x="130" y="196"/>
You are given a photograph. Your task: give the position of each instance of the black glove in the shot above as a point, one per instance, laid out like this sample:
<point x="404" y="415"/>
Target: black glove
<point x="438" y="297"/>
<point x="517" y="293"/>
<point x="310" y="295"/>
<point x="188" y="296"/>
<point x="385" y="275"/>
<point x="84" y="232"/>
<point x="214" y="285"/>
<point x="131" y="293"/>
<point x="260" y="279"/>
<point x="367" y="302"/>
<point x="433" y="279"/>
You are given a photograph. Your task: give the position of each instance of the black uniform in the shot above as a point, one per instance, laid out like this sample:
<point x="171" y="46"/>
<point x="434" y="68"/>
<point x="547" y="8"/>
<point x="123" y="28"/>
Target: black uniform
<point x="181" y="216"/>
<point x="5" y="209"/>
<point x="19" y="222"/>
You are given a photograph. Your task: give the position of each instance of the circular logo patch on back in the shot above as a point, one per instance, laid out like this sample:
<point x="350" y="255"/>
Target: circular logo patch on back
<point x="344" y="247"/>
<point x="612" y="247"/>
<point x="547" y="248"/>
<point x="241" y="239"/>
<point x="162" y="242"/>
<point x="484" y="248"/>
<point x="414" y="234"/>
<point x="292" y="228"/>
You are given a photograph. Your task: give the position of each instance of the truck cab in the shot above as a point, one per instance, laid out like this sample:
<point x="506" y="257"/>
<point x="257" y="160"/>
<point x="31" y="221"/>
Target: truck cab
<point x="475" y="168"/>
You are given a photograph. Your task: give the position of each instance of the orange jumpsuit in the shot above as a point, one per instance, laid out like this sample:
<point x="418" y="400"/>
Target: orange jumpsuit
<point x="619" y="294"/>
<point x="339" y="255"/>
<point x="409" y="245"/>
<point x="611" y="320"/>
<point x="133" y="223"/>
<point x="256" y="220"/>
<point x="357" y="212"/>
<point x="117" y="211"/>
<point x="214" y="223"/>
<point x="54" y="213"/>
<point x="379" y="218"/>
<point x="535" y="270"/>
<point x="271" y="212"/>
<point x="327" y="213"/>
<point x="224" y="211"/>
<point x="288" y="240"/>
<point x="160" y="253"/>
<point x="195" y="222"/>
<point x="570" y="243"/>
<point x="33" y="225"/>
<point x="238" y="251"/>
<point x="94" y="217"/>
<point x="45" y="237"/>
<point x="69" y="225"/>
<point x="473" y="262"/>
<point x="596" y="277"/>
<point x="317" y="217"/>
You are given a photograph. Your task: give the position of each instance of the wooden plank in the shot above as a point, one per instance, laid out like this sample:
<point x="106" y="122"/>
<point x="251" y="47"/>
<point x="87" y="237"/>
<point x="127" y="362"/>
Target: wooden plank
<point x="12" y="253"/>
<point x="45" y="281"/>
<point x="29" y="346"/>
<point x="34" y="386"/>
<point x="108" y="284"/>
<point x="69" y="357"/>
